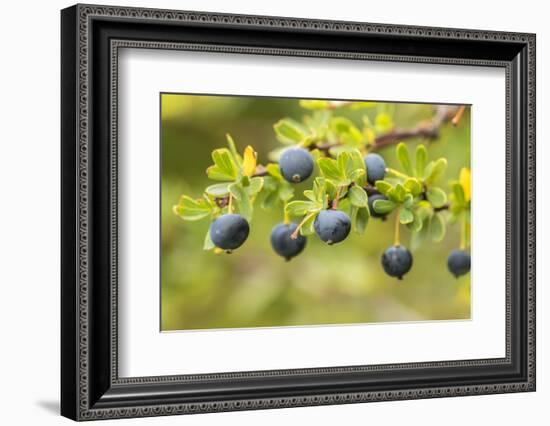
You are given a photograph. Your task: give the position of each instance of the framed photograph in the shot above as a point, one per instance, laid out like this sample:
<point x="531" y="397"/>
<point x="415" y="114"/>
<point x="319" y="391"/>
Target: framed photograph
<point x="263" y="212"/>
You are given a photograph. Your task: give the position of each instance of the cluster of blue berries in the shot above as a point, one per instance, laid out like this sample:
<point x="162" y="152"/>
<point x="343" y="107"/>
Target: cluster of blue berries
<point x="230" y="231"/>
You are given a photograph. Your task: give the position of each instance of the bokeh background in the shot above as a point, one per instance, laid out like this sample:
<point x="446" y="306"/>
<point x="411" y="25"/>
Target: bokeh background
<point x="253" y="287"/>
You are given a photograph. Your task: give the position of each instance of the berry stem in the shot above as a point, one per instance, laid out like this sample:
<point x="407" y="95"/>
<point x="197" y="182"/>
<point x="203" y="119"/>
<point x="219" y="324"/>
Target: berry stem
<point x="294" y="235"/>
<point x="230" y="204"/>
<point x="396" y="241"/>
<point x="336" y="198"/>
<point x="396" y="173"/>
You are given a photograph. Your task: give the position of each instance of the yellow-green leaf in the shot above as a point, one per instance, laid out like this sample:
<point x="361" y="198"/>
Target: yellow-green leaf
<point x="402" y="152"/>
<point x="289" y="131"/>
<point x="406" y="216"/>
<point x="414" y="186"/>
<point x="249" y="161"/>
<point x="224" y="167"/>
<point x="459" y="196"/>
<point x="329" y="169"/>
<point x="218" y="189"/>
<point x="300" y="208"/>
<point x="421" y="160"/>
<point x="436" y="196"/>
<point x="233" y="149"/>
<point x="383" y="187"/>
<point x="191" y="209"/>
<point x="241" y="200"/>
<point x="435" y="170"/>
<point x="465" y="182"/>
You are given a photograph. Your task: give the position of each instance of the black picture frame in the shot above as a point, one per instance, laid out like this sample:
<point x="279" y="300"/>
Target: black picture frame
<point x="90" y="38"/>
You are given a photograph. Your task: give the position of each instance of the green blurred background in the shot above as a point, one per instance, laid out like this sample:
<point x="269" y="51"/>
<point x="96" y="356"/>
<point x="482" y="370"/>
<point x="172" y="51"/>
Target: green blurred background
<point x="253" y="287"/>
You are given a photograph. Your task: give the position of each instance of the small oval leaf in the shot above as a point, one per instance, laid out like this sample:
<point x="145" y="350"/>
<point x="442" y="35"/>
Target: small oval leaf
<point x="406" y="216"/>
<point x="402" y="152"/>
<point x="358" y="197"/>
<point x="437" y="228"/>
<point x="436" y="196"/>
<point x="383" y="206"/>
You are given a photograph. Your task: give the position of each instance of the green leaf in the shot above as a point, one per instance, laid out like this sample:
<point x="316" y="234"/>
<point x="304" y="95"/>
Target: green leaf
<point x="437" y="227"/>
<point x="310" y="195"/>
<point x="436" y="196"/>
<point x="241" y="200"/>
<point x="191" y="209"/>
<point x="329" y="169"/>
<point x="289" y="132"/>
<point x="330" y="189"/>
<point x="319" y="189"/>
<point x="402" y="152"/>
<point x="358" y="197"/>
<point x="434" y="170"/>
<point x="255" y="185"/>
<point x="360" y="218"/>
<point x="345" y="206"/>
<point x="359" y="176"/>
<point x="233" y="149"/>
<point x="406" y="216"/>
<point x="421" y="160"/>
<point x="416" y="224"/>
<point x="358" y="173"/>
<point x="414" y="186"/>
<point x="224" y="167"/>
<point x="218" y="190"/>
<point x="383" y="187"/>
<point x="308" y="226"/>
<point x="383" y="206"/>
<point x="408" y="201"/>
<point x="344" y="166"/>
<point x="458" y="192"/>
<point x="300" y="208"/>
<point x="398" y="193"/>
<point x="208" y="244"/>
<point x="424" y="210"/>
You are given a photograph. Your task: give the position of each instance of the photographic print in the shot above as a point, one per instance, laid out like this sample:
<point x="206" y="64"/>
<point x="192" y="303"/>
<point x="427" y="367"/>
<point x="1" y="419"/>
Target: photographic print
<point x="301" y="212"/>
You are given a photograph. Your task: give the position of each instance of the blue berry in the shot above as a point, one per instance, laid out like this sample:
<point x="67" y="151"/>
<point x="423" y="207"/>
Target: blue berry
<point x="282" y="242"/>
<point x="376" y="168"/>
<point x="332" y="226"/>
<point x="229" y="231"/>
<point x="296" y="164"/>
<point x="372" y="199"/>
<point x="458" y="262"/>
<point x="397" y="261"/>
